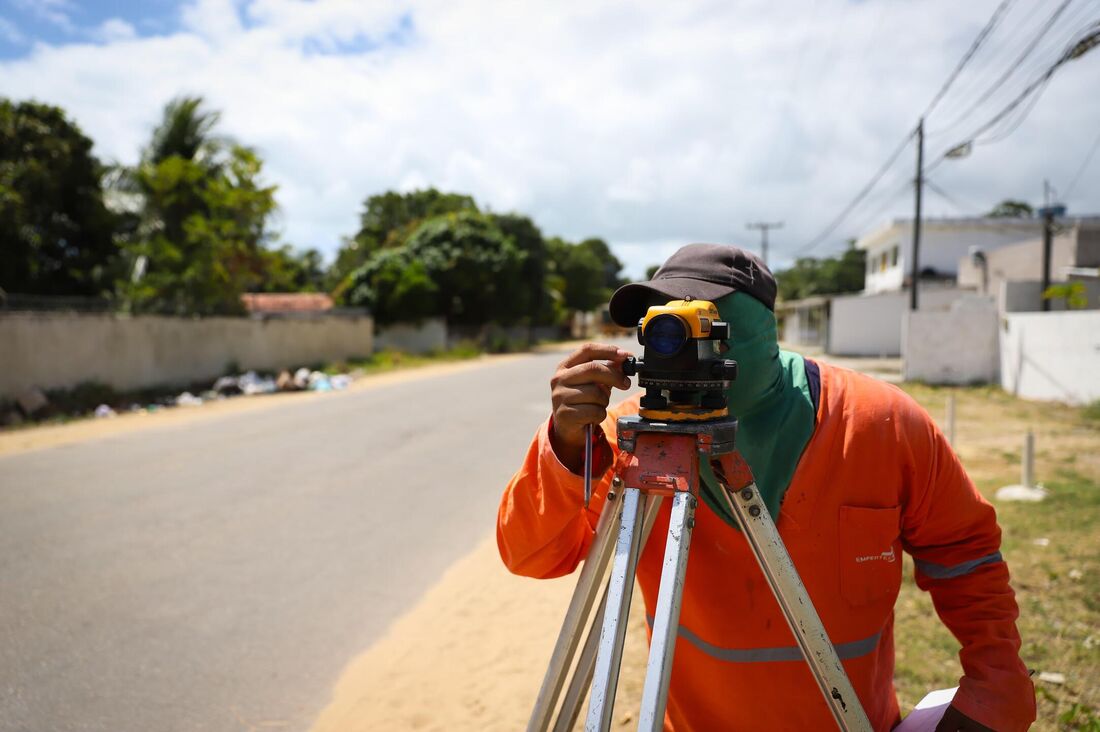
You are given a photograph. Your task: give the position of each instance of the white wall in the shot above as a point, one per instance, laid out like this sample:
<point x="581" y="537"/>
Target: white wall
<point x="428" y="336"/>
<point x="954" y="346"/>
<point x="867" y="325"/>
<point x="871" y="325"/>
<point x="1052" y="356"/>
<point x="61" y="350"/>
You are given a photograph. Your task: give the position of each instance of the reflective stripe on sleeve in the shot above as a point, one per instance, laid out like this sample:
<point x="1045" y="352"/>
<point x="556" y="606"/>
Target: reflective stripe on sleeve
<point x="846" y="651"/>
<point x="941" y="571"/>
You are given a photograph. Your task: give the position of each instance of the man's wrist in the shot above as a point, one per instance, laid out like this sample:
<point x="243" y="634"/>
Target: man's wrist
<point x="571" y="456"/>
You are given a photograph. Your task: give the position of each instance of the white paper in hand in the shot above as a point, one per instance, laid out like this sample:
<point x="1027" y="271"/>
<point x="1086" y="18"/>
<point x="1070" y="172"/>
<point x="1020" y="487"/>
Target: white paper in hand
<point x="928" y="712"/>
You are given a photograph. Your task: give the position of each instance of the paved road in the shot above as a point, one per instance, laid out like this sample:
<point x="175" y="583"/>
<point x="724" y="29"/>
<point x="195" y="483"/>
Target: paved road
<point x="218" y="575"/>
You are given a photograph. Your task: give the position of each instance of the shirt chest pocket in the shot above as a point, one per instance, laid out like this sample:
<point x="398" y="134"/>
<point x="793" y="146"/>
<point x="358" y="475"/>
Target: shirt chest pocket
<point x="870" y="554"/>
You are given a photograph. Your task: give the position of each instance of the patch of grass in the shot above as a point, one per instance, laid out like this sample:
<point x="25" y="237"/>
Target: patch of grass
<point x="390" y="360"/>
<point x="1051" y="547"/>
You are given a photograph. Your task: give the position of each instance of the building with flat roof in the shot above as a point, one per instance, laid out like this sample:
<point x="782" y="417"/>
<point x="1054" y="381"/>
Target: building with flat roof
<point x="943" y="241"/>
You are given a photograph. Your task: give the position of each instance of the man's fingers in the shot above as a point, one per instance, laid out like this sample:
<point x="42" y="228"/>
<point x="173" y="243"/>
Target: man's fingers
<point x="589" y="372"/>
<point x="597" y="394"/>
<point x="592" y="352"/>
<point x="574" y="417"/>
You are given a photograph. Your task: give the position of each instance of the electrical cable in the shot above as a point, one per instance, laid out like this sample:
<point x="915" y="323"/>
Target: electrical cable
<point x="1015" y="65"/>
<point x="1084" y="41"/>
<point x="985" y="32"/>
<point x="859" y="196"/>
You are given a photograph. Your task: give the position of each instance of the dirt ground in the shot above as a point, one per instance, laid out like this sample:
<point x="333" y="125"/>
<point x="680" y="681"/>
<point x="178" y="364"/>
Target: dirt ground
<point x="471" y="654"/>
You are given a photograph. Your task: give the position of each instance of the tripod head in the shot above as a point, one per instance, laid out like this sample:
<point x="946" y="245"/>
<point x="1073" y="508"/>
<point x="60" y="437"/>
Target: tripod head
<point x="682" y="369"/>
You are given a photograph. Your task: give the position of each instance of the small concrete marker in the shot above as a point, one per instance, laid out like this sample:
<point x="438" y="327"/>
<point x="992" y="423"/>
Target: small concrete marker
<point x="1027" y="490"/>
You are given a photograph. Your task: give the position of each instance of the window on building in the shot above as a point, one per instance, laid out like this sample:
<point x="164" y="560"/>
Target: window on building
<point x="894" y="256"/>
<point x="882" y="263"/>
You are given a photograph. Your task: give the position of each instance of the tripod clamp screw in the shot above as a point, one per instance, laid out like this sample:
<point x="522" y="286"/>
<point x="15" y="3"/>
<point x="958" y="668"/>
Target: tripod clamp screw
<point x="746" y="493"/>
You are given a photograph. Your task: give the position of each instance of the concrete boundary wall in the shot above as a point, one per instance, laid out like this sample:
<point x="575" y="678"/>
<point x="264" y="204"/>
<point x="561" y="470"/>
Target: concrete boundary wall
<point x="422" y="338"/>
<point x="61" y="350"/>
<point x="1052" y="356"/>
<point x="956" y="346"/>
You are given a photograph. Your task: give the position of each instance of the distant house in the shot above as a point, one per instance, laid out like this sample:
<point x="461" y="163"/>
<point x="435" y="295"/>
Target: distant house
<point x="943" y="241"/>
<point x="262" y="304"/>
<point x="1013" y="274"/>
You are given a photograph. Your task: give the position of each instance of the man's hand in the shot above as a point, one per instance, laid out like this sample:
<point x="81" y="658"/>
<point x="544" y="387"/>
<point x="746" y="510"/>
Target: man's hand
<point x="580" y="391"/>
<point x="955" y="721"/>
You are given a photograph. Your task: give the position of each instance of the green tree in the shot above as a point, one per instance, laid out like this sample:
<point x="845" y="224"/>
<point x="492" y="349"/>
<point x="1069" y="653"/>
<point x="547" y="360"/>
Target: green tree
<point x="387" y="220"/>
<point x="831" y="275"/>
<point x="1010" y="209"/>
<point x="463" y="261"/>
<point x="651" y="270"/>
<point x="202" y="218"/>
<point x="579" y="276"/>
<point x="56" y="234"/>
<point x="609" y="263"/>
<point x="395" y="287"/>
<point x="287" y="270"/>
<point x="534" y="299"/>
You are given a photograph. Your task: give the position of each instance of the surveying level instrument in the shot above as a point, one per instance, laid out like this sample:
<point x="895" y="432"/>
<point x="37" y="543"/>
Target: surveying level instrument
<point x="683" y="419"/>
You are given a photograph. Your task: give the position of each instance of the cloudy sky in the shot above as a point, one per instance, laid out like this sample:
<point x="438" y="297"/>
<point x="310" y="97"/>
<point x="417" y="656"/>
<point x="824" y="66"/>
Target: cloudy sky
<point x="650" y="124"/>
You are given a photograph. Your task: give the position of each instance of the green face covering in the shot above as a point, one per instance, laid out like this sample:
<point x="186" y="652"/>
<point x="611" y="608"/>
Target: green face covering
<point x="771" y="400"/>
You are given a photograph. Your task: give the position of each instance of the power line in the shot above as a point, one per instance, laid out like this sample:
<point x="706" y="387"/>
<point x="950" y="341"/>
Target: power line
<point x="1085" y="41"/>
<point x="994" y="20"/>
<point x="977" y="44"/>
<point x="1014" y="66"/>
<point x="859" y="196"/>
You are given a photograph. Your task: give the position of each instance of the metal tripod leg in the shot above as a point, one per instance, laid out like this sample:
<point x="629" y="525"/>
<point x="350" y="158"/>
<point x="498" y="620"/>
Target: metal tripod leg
<point x="744" y="501"/>
<point x="620" y="587"/>
<point x="588" y="585"/>
<point x="586" y="663"/>
<point x="666" y="616"/>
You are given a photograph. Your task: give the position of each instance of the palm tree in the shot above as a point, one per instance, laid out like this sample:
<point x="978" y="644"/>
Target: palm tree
<point x="186" y="131"/>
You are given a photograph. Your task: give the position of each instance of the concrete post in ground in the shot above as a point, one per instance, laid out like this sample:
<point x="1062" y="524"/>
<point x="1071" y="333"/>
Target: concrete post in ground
<point x="1027" y="489"/>
<point x="1027" y="477"/>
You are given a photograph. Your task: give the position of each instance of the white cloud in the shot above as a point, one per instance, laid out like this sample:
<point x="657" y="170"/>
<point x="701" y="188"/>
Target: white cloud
<point x="648" y="124"/>
<point x="114" y="30"/>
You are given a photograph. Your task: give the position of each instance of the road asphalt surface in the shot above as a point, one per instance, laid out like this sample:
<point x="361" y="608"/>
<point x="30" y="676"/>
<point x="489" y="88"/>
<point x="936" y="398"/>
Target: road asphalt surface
<point x="219" y="574"/>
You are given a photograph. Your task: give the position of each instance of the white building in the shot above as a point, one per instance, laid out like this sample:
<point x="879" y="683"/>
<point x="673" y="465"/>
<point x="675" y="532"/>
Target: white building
<point x="943" y="242"/>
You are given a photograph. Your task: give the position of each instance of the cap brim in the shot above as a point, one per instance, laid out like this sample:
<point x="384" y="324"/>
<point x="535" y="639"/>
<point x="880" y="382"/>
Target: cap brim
<point x="630" y="302"/>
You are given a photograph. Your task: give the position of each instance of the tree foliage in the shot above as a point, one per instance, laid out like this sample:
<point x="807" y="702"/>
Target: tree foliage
<point x="56" y="234"/>
<point x="831" y="275"/>
<point x="1010" y="209"/>
<point x="202" y="219"/>
<point x="472" y="266"/>
<point x="387" y="220"/>
<point x="584" y="275"/>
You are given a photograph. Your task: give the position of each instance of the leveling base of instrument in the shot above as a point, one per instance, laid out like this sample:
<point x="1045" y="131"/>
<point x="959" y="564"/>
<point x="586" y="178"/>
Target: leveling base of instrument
<point x="660" y="460"/>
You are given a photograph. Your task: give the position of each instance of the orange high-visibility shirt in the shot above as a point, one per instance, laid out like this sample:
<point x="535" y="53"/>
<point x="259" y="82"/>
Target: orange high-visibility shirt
<point x="876" y="478"/>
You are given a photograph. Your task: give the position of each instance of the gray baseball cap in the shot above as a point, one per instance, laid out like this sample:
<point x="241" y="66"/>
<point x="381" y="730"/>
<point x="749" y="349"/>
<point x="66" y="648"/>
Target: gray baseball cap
<point x="699" y="272"/>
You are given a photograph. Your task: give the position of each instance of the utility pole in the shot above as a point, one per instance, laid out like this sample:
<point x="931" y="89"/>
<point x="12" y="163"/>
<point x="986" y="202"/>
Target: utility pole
<point x="764" y="226"/>
<point x="1049" y="211"/>
<point x="914" y="270"/>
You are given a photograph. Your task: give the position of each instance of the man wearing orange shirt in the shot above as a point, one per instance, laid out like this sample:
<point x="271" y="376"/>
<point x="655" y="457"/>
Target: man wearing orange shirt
<point x="852" y="470"/>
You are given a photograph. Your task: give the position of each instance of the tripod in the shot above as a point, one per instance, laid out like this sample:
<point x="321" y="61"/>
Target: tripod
<point x="660" y="460"/>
